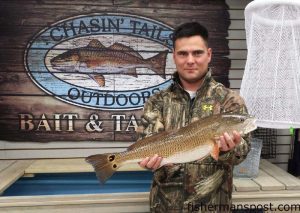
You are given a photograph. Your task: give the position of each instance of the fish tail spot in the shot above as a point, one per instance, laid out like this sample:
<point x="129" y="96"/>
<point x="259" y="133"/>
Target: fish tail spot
<point x="104" y="165"/>
<point x="111" y="158"/>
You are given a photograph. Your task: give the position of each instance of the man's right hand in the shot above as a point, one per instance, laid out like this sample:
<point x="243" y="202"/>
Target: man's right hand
<point x="152" y="163"/>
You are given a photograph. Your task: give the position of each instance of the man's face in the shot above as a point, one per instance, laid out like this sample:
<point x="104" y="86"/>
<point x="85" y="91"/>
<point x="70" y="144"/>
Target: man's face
<point x="191" y="57"/>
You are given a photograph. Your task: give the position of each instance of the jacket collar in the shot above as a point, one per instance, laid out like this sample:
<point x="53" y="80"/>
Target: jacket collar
<point x="176" y="81"/>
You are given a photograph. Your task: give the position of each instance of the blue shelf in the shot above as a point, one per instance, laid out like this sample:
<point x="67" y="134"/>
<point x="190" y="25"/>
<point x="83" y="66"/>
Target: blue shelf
<point x="80" y="183"/>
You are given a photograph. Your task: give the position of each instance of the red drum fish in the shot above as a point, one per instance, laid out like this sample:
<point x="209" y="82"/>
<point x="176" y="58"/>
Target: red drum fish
<point x="190" y="143"/>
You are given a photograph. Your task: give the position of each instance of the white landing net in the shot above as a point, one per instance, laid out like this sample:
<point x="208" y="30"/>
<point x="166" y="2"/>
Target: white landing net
<point x="271" y="81"/>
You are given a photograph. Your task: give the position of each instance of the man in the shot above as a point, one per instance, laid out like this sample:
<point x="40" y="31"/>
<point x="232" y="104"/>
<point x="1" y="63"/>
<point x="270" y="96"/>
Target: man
<point x="193" y="95"/>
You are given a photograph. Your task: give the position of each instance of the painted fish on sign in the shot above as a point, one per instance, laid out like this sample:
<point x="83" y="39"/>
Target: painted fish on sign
<point x="102" y="61"/>
<point x="97" y="60"/>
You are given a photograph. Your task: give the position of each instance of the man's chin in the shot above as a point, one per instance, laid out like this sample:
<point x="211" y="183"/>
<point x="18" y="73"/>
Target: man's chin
<point x="194" y="78"/>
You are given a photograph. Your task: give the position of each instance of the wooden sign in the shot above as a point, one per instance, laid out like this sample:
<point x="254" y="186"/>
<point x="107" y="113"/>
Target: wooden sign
<point x="79" y="71"/>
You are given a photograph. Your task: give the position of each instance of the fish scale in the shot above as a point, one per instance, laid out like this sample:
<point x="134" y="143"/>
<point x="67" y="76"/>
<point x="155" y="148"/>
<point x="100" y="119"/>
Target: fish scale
<point x="110" y="54"/>
<point x="190" y="143"/>
<point x="177" y="145"/>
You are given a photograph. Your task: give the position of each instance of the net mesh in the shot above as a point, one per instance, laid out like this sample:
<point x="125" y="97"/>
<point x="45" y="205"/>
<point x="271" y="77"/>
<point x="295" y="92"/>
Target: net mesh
<point x="269" y="138"/>
<point x="271" y="81"/>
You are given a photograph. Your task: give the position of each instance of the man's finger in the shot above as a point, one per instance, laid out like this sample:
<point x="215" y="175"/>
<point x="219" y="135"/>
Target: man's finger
<point x="157" y="163"/>
<point x="237" y="137"/>
<point x="144" y="162"/>
<point x="229" y="141"/>
<point x="152" y="161"/>
<point x="223" y="144"/>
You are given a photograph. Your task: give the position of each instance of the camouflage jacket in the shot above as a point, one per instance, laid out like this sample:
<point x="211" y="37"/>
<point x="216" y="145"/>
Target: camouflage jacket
<point x="202" y="184"/>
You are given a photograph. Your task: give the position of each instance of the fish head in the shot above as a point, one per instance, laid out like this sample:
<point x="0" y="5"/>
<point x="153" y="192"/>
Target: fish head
<point x="67" y="61"/>
<point x="241" y="123"/>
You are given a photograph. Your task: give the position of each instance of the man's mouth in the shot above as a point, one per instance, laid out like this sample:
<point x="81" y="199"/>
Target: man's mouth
<point x="190" y="70"/>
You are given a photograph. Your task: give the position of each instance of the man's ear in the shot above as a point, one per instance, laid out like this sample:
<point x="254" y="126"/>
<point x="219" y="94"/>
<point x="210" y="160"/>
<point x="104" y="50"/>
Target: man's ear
<point x="209" y="52"/>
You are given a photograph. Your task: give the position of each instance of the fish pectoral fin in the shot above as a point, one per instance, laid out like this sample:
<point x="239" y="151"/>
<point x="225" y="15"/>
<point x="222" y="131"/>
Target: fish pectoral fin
<point x="91" y="63"/>
<point x="131" y="72"/>
<point x="215" y="150"/>
<point x="99" y="79"/>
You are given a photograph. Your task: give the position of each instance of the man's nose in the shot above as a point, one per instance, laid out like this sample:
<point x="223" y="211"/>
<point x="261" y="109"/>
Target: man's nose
<point x="190" y="59"/>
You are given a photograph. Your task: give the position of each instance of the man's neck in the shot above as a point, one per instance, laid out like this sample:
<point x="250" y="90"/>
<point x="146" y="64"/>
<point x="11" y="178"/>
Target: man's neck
<point x="192" y="86"/>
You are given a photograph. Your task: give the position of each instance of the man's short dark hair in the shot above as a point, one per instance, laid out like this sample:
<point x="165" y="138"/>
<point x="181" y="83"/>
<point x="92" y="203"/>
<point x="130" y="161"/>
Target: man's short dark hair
<point x="190" y="29"/>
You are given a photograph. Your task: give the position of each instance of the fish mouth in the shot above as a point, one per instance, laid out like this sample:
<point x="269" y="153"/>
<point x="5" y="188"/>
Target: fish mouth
<point x="57" y="66"/>
<point x="56" y="62"/>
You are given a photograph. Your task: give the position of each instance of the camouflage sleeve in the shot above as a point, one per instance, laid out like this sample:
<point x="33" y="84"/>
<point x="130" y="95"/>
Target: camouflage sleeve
<point x="234" y="103"/>
<point x="152" y="119"/>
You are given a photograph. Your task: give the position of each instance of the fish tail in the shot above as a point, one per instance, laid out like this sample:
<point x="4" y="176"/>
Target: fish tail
<point x="104" y="165"/>
<point x="158" y="63"/>
<point x="215" y="152"/>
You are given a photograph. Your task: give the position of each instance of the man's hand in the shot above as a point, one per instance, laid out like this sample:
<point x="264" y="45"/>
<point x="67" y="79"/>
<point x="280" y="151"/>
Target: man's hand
<point x="227" y="143"/>
<point x="152" y="163"/>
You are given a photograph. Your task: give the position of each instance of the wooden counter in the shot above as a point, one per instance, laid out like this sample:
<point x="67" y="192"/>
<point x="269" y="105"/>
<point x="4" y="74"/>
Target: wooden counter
<point x="273" y="185"/>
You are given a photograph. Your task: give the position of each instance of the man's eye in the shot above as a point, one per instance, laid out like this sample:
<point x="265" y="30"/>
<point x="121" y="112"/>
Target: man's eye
<point x="182" y="53"/>
<point x="197" y="53"/>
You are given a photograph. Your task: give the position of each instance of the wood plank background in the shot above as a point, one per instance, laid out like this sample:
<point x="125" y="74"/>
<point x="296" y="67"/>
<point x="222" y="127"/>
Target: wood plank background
<point x="20" y="22"/>
<point x="28" y="21"/>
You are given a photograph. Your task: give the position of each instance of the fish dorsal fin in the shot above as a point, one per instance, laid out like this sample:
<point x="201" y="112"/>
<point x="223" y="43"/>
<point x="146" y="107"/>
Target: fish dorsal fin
<point x="148" y="140"/>
<point x="94" y="43"/>
<point x="122" y="47"/>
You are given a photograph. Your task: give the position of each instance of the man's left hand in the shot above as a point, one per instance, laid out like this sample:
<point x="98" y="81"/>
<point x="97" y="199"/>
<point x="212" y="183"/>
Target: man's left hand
<point x="227" y="142"/>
